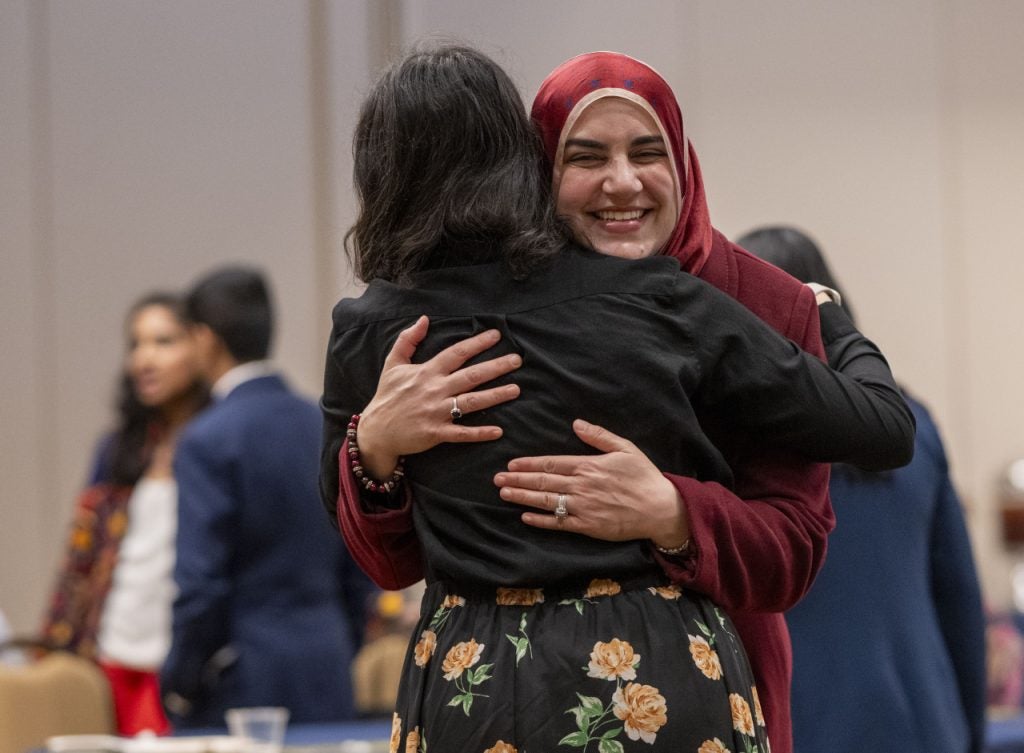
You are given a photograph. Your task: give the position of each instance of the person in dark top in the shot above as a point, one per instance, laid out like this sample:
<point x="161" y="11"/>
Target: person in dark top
<point x="889" y="645"/>
<point x="753" y="546"/>
<point x="456" y="222"/>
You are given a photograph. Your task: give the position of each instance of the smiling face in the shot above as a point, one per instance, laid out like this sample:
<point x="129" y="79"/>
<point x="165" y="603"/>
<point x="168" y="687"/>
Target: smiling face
<point x="615" y="180"/>
<point x="161" y="357"/>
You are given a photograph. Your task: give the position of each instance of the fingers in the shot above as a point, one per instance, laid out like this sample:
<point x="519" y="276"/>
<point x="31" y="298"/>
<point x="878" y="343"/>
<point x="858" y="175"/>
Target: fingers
<point x="480" y="373"/>
<point x="463" y="434"/>
<point x="449" y="361"/>
<point x="571" y="524"/>
<point x="452" y="357"/>
<point x="561" y="465"/>
<point x="484" y="399"/>
<point x="533" y="489"/>
<point x="406" y="343"/>
<point x="600" y="438"/>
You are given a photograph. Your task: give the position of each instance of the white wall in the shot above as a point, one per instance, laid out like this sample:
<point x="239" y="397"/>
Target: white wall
<point x="143" y="142"/>
<point x="151" y="141"/>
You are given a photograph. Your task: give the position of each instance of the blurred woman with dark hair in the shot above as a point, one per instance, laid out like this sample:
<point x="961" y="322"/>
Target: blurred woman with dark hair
<point x="889" y="645"/>
<point x="112" y="600"/>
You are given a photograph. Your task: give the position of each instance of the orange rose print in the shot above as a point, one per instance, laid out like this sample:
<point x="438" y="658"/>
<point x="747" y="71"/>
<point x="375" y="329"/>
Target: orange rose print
<point x="519" y="597"/>
<point x="758" y="716"/>
<point x="705" y="657"/>
<point x="713" y="746"/>
<point x="642" y="710"/>
<point x="671" y="593"/>
<point x="461" y="657"/>
<point x="452" y="601"/>
<point x="501" y="747"/>
<point x="602" y="587"/>
<point x="742" y="721"/>
<point x="412" y="742"/>
<point x="612" y="660"/>
<point x="425" y="647"/>
<point x="396" y="733"/>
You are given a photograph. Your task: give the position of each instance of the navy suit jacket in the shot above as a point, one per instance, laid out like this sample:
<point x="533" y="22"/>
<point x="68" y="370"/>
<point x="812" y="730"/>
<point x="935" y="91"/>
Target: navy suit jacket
<point x="270" y="604"/>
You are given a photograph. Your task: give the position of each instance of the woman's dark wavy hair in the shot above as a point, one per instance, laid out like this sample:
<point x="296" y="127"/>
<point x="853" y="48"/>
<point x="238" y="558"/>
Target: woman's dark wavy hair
<point x="793" y="251"/>
<point x="449" y="171"/>
<point x="130" y="448"/>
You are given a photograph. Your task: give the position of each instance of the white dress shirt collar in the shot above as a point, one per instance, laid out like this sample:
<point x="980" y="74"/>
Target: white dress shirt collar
<point x="244" y="372"/>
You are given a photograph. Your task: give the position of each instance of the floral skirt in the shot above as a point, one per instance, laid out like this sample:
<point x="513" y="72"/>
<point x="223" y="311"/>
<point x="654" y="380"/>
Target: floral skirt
<point x="610" y="668"/>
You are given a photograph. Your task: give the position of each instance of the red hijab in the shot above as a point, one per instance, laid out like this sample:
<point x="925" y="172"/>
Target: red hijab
<point x="577" y="83"/>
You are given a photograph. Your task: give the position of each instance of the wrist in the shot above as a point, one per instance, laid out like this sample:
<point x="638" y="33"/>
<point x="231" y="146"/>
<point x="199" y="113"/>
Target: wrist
<point x="377" y="459"/>
<point x="367" y="476"/>
<point x="672" y="534"/>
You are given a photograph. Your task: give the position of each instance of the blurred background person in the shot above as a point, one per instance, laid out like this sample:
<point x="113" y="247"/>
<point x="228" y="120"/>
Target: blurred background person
<point x="270" y="608"/>
<point x="112" y="600"/>
<point x="889" y="644"/>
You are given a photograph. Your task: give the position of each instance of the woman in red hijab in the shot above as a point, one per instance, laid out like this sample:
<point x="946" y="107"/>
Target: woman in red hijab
<point x="607" y="122"/>
<point x="758" y="559"/>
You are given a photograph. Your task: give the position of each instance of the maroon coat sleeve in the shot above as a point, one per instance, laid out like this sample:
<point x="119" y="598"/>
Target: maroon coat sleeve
<point x="382" y="541"/>
<point x="758" y="548"/>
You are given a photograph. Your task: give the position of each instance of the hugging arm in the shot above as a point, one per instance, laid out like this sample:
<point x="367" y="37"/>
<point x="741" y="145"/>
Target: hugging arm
<point x="776" y="521"/>
<point x="882" y="434"/>
<point x="768" y="387"/>
<point x="382" y="544"/>
<point x="409" y="413"/>
<point x="757" y="548"/>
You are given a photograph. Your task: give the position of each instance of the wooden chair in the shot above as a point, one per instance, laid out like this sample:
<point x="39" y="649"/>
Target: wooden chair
<point x="56" y="694"/>
<point x="376" y="672"/>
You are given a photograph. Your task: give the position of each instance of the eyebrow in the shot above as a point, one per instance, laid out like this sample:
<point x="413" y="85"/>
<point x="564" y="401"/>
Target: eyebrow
<point x="638" y="141"/>
<point x="644" y="140"/>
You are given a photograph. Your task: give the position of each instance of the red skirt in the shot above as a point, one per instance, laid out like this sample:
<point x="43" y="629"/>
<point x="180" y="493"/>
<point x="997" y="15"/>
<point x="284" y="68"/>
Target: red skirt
<point x="136" y="695"/>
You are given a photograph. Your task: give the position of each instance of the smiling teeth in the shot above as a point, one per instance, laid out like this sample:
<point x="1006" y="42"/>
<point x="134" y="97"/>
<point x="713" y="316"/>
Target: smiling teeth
<point x="634" y="214"/>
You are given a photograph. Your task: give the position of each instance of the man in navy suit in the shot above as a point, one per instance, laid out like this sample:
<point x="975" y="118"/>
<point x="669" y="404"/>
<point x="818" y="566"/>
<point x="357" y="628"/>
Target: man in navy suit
<point x="270" y="605"/>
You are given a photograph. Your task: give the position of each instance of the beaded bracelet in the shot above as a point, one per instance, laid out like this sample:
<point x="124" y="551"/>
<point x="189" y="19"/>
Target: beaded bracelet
<point x="355" y="461"/>
<point x="682" y="549"/>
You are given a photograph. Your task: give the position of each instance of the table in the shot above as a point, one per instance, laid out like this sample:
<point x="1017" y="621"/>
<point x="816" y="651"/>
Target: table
<point x="372" y="735"/>
<point x="1003" y="736"/>
<point x="363" y="736"/>
<point x="333" y="737"/>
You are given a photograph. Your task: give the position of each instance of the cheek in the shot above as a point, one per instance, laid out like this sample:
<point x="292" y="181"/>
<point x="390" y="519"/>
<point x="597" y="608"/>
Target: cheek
<point x="572" y="192"/>
<point x="660" y="182"/>
<point x="181" y="366"/>
<point x="130" y="363"/>
<point x="670" y="207"/>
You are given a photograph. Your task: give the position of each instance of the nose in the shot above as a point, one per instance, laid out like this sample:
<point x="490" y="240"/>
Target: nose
<point x="622" y="178"/>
